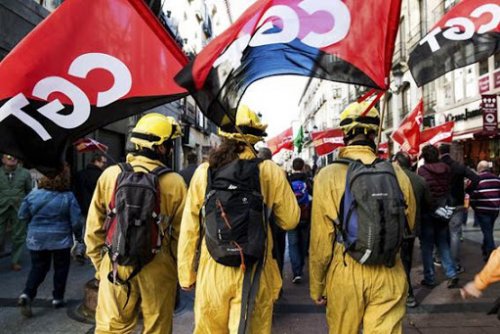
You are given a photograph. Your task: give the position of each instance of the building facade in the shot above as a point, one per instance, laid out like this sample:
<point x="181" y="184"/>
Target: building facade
<point x="455" y="96"/>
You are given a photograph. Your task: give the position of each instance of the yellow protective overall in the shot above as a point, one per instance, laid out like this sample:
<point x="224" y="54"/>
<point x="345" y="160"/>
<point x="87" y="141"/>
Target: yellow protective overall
<point x="153" y="289"/>
<point x="357" y="295"/>
<point x="218" y="287"/>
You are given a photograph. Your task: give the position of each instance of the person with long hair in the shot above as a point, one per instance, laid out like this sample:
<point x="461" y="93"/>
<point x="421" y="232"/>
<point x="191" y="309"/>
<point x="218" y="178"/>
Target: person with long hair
<point x="223" y="309"/>
<point x="53" y="217"/>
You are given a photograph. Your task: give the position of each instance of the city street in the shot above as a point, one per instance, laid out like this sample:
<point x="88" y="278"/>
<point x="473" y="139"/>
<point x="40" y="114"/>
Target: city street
<point x="440" y="311"/>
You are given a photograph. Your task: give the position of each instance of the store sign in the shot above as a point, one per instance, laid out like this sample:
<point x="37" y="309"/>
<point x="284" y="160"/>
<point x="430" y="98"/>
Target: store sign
<point x="496" y="79"/>
<point x="490" y="111"/>
<point x="484" y="84"/>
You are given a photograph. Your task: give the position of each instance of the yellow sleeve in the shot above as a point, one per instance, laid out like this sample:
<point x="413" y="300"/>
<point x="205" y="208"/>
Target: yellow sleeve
<point x="95" y="234"/>
<point x="327" y="187"/>
<point x="278" y="195"/>
<point x="490" y="273"/>
<point x="190" y="227"/>
<point x="174" y="195"/>
<point x="409" y="195"/>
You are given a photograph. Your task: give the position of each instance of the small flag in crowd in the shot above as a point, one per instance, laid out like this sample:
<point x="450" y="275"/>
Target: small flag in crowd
<point x="383" y="150"/>
<point x="283" y="141"/>
<point x="408" y="133"/>
<point x="85" y="145"/>
<point x="439" y="134"/>
<point x="87" y="64"/>
<point x="468" y="33"/>
<point x="327" y="141"/>
<point x="299" y="139"/>
<point x="348" y="41"/>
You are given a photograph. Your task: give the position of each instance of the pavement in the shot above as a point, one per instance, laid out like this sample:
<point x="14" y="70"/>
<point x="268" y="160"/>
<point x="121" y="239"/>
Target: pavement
<point x="440" y="310"/>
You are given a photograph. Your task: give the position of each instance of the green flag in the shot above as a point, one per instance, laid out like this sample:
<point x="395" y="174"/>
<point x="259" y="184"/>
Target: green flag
<point x="299" y="140"/>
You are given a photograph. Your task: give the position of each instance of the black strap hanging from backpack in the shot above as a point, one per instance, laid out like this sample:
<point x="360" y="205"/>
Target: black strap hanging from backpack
<point x="249" y="295"/>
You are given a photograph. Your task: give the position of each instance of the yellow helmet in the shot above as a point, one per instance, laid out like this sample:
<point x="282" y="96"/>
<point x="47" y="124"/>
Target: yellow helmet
<point x="249" y="123"/>
<point x="154" y="129"/>
<point x="352" y="118"/>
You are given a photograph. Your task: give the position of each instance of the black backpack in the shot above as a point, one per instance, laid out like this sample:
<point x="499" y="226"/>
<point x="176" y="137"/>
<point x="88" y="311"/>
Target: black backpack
<point x="234" y="215"/>
<point x="133" y="225"/>
<point x="372" y="213"/>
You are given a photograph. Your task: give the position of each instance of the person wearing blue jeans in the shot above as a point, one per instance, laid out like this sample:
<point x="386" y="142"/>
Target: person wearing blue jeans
<point x="298" y="244"/>
<point x="486" y="222"/>
<point x="434" y="232"/>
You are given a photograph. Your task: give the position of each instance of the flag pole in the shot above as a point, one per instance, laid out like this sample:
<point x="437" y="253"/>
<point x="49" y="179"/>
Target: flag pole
<point x="384" y="108"/>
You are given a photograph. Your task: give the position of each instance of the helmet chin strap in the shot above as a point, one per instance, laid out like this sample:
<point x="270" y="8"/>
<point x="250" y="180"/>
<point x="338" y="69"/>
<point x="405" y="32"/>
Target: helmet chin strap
<point x="245" y="139"/>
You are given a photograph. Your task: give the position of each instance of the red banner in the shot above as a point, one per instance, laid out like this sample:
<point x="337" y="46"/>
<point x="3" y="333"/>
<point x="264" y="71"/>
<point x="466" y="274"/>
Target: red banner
<point x="327" y="141"/>
<point x="438" y="134"/>
<point x="283" y="141"/>
<point x="408" y="133"/>
<point x="88" y="64"/>
<point x="349" y="41"/>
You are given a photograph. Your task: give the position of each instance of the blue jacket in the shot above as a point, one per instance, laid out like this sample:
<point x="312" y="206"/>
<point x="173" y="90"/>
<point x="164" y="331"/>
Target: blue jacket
<point x="52" y="218"/>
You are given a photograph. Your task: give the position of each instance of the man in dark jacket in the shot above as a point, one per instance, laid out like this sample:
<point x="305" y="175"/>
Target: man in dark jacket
<point x="423" y="201"/>
<point x="485" y="200"/>
<point x="86" y="180"/>
<point x="187" y="173"/>
<point x="457" y="194"/>
<point x="298" y="238"/>
<point x="15" y="184"/>
<point x="433" y="229"/>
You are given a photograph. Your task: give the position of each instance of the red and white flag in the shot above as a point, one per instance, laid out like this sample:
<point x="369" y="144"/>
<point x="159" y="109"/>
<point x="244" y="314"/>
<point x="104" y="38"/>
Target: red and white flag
<point x="408" y="133"/>
<point x="283" y="141"/>
<point x="327" y="141"/>
<point x="85" y="145"/>
<point x="383" y="150"/>
<point x="438" y="134"/>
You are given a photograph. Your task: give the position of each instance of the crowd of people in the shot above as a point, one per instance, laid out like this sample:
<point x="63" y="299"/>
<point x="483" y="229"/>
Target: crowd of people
<point x="221" y="228"/>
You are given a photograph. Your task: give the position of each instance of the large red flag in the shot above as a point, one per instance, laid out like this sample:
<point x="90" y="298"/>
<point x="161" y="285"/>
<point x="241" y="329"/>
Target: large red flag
<point x="88" y="64"/>
<point x="468" y="33"/>
<point x="438" y="134"/>
<point x="408" y="133"/>
<point x="283" y="141"/>
<point x="348" y="41"/>
<point x="327" y="141"/>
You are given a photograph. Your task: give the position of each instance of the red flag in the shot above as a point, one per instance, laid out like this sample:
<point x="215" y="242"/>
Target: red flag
<point x="88" y="64"/>
<point x="348" y="41"/>
<point x="438" y="134"/>
<point x="327" y="141"/>
<point x="84" y="145"/>
<point x="283" y="141"/>
<point x="466" y="34"/>
<point x="383" y="150"/>
<point x="408" y="133"/>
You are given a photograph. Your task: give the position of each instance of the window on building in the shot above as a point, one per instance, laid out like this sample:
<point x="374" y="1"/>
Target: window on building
<point x="389" y="113"/>
<point x="497" y="60"/>
<point x="471" y="86"/>
<point x="406" y="101"/>
<point x="459" y="85"/>
<point x="483" y="67"/>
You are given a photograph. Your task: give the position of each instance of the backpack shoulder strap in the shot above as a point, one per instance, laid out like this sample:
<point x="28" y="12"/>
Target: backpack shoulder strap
<point x="125" y="167"/>
<point x="161" y="170"/>
<point x="343" y="161"/>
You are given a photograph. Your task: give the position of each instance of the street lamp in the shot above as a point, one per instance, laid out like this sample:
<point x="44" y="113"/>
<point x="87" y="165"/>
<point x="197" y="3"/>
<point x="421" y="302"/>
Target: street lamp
<point x="397" y="73"/>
